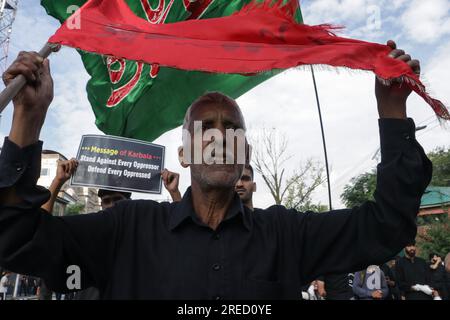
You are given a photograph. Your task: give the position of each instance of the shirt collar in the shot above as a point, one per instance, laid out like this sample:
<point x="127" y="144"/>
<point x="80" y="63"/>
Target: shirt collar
<point x="184" y="209"/>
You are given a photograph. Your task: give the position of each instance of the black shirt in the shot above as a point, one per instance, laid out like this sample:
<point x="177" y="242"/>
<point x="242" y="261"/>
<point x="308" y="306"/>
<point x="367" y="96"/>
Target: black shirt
<point x="338" y="286"/>
<point x="149" y="250"/>
<point x="438" y="280"/>
<point x="394" y="292"/>
<point x="411" y="272"/>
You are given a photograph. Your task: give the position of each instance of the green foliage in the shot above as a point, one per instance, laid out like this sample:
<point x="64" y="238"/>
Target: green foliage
<point x="360" y="189"/>
<point x="441" y="167"/>
<point x="437" y="237"/>
<point x="301" y="185"/>
<point x="74" y="209"/>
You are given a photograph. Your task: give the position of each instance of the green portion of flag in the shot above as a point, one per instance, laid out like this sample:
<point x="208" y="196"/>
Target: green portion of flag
<point x="142" y="101"/>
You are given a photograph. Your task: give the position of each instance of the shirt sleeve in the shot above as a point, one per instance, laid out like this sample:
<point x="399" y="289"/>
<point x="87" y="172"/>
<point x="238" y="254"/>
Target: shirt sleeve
<point x="351" y="239"/>
<point x="36" y="243"/>
<point x="358" y="287"/>
<point x="384" y="286"/>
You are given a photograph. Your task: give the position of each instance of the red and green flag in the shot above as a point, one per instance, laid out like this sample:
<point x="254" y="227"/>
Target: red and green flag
<point x="143" y="100"/>
<point x="236" y="44"/>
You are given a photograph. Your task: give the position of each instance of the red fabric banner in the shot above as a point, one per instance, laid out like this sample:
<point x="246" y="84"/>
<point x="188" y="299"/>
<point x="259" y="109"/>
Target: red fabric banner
<point x="260" y="37"/>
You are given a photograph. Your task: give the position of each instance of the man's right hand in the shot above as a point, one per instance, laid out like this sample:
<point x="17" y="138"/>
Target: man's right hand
<point x="377" y="294"/>
<point x="32" y="102"/>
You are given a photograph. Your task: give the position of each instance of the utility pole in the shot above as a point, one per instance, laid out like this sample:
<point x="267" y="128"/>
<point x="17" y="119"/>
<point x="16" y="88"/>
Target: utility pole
<point x="8" y="10"/>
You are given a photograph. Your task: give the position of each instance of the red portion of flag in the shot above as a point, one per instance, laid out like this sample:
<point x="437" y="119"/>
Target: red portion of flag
<point x="260" y="37"/>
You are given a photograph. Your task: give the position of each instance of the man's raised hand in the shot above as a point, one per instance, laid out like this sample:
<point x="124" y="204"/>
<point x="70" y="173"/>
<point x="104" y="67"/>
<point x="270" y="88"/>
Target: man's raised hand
<point x="392" y="98"/>
<point x="32" y="102"/>
<point x="65" y="171"/>
<point x="171" y="181"/>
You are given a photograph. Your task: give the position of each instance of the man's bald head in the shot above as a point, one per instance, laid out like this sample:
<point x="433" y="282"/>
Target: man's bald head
<point x="211" y="98"/>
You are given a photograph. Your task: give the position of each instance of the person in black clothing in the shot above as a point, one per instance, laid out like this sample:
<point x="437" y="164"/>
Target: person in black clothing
<point x="438" y="277"/>
<point x="336" y="286"/>
<point x="391" y="279"/>
<point x="246" y="186"/>
<point x="208" y="245"/>
<point x="447" y="274"/>
<point x="413" y="276"/>
<point x="108" y="199"/>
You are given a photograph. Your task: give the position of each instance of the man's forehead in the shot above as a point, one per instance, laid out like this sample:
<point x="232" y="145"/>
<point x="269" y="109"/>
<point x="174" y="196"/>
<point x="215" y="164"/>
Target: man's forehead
<point x="214" y="110"/>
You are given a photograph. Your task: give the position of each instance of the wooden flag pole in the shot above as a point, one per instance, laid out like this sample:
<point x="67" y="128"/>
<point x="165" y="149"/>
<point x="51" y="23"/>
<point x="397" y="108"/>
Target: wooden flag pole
<point x="19" y="82"/>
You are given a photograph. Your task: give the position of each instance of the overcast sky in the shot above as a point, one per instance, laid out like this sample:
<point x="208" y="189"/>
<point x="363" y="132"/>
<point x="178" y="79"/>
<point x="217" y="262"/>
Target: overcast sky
<point x="286" y="102"/>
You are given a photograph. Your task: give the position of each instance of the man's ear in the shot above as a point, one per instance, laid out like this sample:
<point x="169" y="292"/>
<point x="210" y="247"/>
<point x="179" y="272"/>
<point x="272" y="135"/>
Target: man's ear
<point x="254" y="187"/>
<point x="181" y="157"/>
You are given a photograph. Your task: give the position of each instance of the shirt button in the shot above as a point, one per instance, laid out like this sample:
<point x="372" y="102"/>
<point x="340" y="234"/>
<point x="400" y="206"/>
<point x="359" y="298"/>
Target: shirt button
<point x="217" y="298"/>
<point x="406" y="136"/>
<point x="216" y="267"/>
<point x="19" y="167"/>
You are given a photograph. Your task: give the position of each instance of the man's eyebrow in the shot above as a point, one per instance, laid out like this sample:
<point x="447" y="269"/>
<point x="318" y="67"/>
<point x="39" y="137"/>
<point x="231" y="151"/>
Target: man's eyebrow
<point x="235" y="123"/>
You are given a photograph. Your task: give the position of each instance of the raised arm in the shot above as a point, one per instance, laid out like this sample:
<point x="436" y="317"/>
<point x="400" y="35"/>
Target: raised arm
<point x="63" y="173"/>
<point x="32" y="241"/>
<point x="352" y="239"/>
<point x="171" y="181"/>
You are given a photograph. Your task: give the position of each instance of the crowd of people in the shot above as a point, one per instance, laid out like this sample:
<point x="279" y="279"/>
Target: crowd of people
<point x="212" y="242"/>
<point x="404" y="277"/>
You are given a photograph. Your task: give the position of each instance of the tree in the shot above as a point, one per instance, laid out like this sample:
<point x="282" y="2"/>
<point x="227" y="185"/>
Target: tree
<point x="360" y="189"/>
<point x="74" y="209"/>
<point x="270" y="158"/>
<point x="441" y="167"/>
<point x="436" y="238"/>
<point x="301" y="186"/>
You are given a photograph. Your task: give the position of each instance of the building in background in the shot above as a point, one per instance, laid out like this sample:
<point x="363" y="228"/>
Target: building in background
<point x="88" y="197"/>
<point x="435" y="201"/>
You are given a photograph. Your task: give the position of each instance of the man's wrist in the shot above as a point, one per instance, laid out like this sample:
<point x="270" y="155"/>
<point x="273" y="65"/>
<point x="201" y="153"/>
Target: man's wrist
<point x="57" y="183"/>
<point x="392" y="110"/>
<point x="25" y="128"/>
<point x="175" y="195"/>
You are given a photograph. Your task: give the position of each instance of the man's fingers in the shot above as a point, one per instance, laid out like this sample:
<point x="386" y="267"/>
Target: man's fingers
<point x="19" y="69"/>
<point x="32" y="60"/>
<point x="392" y="44"/>
<point x="405" y="57"/>
<point x="396" y="53"/>
<point x="415" y="66"/>
<point x="70" y="167"/>
<point x="173" y="176"/>
<point x="27" y="64"/>
<point x="164" y="175"/>
<point x="32" y="55"/>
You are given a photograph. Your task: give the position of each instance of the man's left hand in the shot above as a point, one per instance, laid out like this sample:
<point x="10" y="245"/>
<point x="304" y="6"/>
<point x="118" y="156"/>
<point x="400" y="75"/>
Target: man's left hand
<point x="65" y="170"/>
